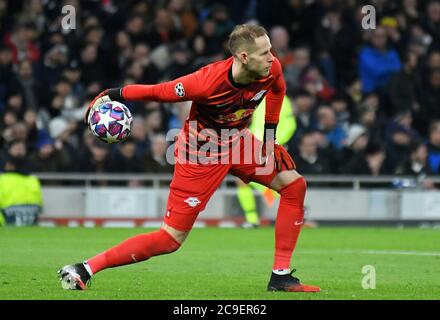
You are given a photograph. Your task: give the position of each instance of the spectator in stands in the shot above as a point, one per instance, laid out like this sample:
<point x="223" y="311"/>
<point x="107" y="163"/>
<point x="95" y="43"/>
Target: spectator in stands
<point x="431" y="97"/>
<point x="26" y="85"/>
<point x="121" y="54"/>
<point x="62" y="132"/>
<point x="357" y="141"/>
<point x="72" y="74"/>
<point x="139" y="136"/>
<point x="153" y="121"/>
<point x="224" y="24"/>
<point x="417" y="163"/>
<point x="377" y="62"/>
<point x="22" y="42"/>
<point x="164" y="29"/>
<point x="354" y="95"/>
<point x="315" y="83"/>
<point x="34" y="133"/>
<point x="184" y="16"/>
<point x="294" y="70"/>
<point x="399" y="136"/>
<point x="16" y="104"/>
<point x="34" y="13"/>
<point x="8" y="119"/>
<point x="18" y="131"/>
<point x="141" y="55"/>
<point x="206" y="44"/>
<point x="327" y="123"/>
<point x="16" y="155"/>
<point x="156" y="162"/>
<point x="49" y="159"/>
<point x="308" y="158"/>
<point x="391" y="27"/>
<point x="68" y="103"/>
<point x="96" y="160"/>
<point x="434" y="147"/>
<point x="125" y="159"/>
<point x="93" y="69"/>
<point x="370" y="162"/>
<point x="280" y="45"/>
<point x="410" y="12"/>
<point x="404" y="87"/>
<point x="135" y="27"/>
<point x="340" y="107"/>
<point x="180" y="62"/>
<point x="49" y="69"/>
<point x="417" y="41"/>
<point x="367" y="118"/>
<point x="303" y="104"/>
<point x="334" y="41"/>
<point x="432" y="22"/>
<point x="433" y="60"/>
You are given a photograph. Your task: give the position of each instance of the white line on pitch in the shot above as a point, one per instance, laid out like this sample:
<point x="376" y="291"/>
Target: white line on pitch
<point x="385" y="252"/>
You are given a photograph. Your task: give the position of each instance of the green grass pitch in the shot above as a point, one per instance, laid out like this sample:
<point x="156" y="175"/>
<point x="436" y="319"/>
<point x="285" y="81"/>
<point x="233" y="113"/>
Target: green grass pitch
<point x="226" y="264"/>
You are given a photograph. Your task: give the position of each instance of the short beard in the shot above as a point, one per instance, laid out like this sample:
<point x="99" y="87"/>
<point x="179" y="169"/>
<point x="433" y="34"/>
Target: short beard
<point x="253" y="74"/>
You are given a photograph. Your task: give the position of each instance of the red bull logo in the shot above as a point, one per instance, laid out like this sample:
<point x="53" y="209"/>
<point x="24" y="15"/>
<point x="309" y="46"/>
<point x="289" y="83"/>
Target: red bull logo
<point x="237" y="115"/>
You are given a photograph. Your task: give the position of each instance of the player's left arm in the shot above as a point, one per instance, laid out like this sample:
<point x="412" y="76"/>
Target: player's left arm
<point x="274" y="101"/>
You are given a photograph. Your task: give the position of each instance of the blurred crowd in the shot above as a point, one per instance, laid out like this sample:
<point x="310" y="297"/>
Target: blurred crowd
<point x="365" y="101"/>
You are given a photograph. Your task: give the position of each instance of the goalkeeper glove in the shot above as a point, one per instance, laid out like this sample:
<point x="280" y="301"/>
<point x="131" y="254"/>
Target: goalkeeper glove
<point x="107" y="95"/>
<point x="283" y="160"/>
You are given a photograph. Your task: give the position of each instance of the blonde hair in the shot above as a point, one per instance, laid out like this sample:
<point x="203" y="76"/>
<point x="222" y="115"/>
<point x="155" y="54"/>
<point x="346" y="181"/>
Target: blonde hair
<point x="244" y="35"/>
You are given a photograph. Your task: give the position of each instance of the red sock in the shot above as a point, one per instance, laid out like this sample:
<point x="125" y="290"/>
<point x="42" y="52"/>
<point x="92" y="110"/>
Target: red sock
<point x="288" y="222"/>
<point x="135" y="249"/>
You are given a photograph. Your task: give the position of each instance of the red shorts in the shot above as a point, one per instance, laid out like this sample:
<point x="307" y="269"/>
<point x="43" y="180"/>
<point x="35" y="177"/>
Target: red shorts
<point x="194" y="184"/>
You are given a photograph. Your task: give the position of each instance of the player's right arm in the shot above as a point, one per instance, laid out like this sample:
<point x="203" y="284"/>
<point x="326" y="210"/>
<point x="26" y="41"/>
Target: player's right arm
<point x="185" y="88"/>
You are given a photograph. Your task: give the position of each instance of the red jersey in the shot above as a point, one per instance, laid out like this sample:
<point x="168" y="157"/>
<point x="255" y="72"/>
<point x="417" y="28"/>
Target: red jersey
<point x="217" y="101"/>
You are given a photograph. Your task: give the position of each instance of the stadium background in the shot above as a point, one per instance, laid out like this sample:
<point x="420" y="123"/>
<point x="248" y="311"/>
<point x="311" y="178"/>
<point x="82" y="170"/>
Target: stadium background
<point x="367" y="140"/>
<point x="358" y="112"/>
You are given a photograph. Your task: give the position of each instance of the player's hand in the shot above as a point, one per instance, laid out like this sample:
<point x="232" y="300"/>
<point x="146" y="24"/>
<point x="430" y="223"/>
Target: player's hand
<point x="272" y="151"/>
<point x="100" y="98"/>
<point x="105" y="96"/>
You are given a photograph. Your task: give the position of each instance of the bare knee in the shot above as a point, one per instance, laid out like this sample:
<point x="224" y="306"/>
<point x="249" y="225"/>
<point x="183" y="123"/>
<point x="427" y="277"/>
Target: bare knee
<point x="178" y="235"/>
<point x="284" y="178"/>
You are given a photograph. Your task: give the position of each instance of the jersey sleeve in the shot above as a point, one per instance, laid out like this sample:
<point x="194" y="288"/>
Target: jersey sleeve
<point x="275" y="95"/>
<point x="188" y="87"/>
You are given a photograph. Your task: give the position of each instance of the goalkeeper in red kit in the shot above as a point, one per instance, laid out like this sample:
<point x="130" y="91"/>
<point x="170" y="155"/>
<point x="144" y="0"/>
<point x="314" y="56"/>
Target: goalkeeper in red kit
<point x="224" y="95"/>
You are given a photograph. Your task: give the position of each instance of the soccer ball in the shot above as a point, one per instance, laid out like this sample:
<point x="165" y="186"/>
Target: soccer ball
<point x="110" y="121"/>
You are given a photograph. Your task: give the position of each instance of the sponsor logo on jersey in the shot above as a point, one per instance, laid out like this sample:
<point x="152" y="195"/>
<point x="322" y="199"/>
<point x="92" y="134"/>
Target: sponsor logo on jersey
<point x="180" y="91"/>
<point x="193" y="201"/>
<point x="237" y="115"/>
<point x="258" y="95"/>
